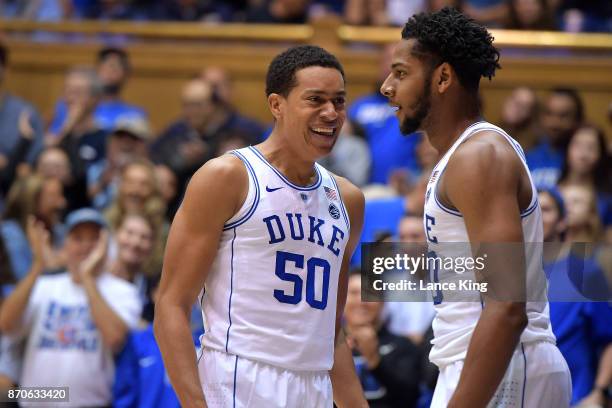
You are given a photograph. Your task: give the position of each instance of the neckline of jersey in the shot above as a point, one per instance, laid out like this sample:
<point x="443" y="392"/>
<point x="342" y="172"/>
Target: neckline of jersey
<point x="312" y="186"/>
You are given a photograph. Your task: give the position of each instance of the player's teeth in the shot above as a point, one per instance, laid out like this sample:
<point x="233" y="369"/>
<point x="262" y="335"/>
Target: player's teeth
<point x="323" y="130"/>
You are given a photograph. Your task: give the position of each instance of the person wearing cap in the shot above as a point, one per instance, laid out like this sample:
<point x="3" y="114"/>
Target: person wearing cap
<point x="582" y="328"/>
<point x="76" y="320"/>
<point x="126" y="143"/>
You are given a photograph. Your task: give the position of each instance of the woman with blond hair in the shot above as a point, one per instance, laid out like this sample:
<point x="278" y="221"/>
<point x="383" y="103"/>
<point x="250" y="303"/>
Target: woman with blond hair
<point x="44" y="200"/>
<point x="138" y="192"/>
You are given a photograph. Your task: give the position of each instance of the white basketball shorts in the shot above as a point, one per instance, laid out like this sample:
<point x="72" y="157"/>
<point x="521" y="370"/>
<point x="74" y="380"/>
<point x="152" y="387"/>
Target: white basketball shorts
<point x="229" y="381"/>
<point x="537" y="377"/>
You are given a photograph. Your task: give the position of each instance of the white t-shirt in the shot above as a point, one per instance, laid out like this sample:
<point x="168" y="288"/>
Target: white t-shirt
<point x="64" y="346"/>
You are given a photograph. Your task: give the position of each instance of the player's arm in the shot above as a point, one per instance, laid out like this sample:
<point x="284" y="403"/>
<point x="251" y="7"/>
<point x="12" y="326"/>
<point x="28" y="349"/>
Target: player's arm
<point x="346" y="385"/>
<point x="213" y="195"/>
<point x="482" y="181"/>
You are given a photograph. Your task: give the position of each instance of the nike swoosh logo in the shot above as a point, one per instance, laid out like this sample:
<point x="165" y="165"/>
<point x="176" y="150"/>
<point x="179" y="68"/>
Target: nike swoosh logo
<point x="268" y="189"/>
<point x="147" y="361"/>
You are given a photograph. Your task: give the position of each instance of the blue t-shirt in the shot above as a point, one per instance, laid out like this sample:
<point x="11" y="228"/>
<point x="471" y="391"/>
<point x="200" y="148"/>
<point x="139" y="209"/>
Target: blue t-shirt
<point x="106" y="114"/>
<point x="390" y="149"/>
<point x="583" y="328"/>
<point x="545" y="163"/>
<point x="140" y="376"/>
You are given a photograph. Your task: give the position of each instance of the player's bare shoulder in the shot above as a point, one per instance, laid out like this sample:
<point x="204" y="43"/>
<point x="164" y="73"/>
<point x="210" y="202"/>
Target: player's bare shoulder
<point x="484" y="156"/>
<point x="221" y="183"/>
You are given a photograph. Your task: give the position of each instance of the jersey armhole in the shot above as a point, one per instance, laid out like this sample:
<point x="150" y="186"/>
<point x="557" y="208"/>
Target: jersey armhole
<point x="342" y="206"/>
<point x="252" y="199"/>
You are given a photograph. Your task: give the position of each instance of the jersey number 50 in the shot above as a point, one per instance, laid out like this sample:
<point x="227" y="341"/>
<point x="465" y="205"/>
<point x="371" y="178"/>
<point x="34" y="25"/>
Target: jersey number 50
<point x="311" y="269"/>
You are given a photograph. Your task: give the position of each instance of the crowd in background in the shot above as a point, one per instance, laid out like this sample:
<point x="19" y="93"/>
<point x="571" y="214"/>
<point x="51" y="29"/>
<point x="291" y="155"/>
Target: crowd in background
<point x="88" y="196"/>
<point x="565" y="15"/>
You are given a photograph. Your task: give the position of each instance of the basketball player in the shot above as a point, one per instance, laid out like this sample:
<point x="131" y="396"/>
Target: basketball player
<point x="267" y="233"/>
<point x="498" y="352"/>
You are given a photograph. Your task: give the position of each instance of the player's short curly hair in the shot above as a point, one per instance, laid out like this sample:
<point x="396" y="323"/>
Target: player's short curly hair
<point x="280" y="78"/>
<point x="449" y="36"/>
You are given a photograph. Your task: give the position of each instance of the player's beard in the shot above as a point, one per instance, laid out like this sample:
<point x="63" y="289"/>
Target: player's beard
<point x="410" y="125"/>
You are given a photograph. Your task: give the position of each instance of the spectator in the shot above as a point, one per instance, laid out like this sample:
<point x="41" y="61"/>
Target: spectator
<point x="138" y="193"/>
<point x="168" y="184"/>
<point x="20" y="126"/>
<point x="389" y="149"/>
<point x="53" y="162"/>
<point x="586" y="15"/>
<point x="221" y="82"/>
<point x="587" y="164"/>
<point x="195" y="138"/>
<point x="135" y="239"/>
<point x="381" y="12"/>
<point x="75" y="320"/>
<point x="562" y="115"/>
<point x="126" y="143"/>
<point x="276" y="11"/>
<point x="583" y="222"/>
<point x="79" y="134"/>
<point x="491" y="13"/>
<point x="193" y="10"/>
<point x="388" y="366"/>
<point x="350" y="157"/>
<point x="113" y="69"/>
<point x="520" y="114"/>
<point x="581" y="328"/>
<point x="413" y="318"/>
<point x="530" y="15"/>
<point x="44" y="200"/>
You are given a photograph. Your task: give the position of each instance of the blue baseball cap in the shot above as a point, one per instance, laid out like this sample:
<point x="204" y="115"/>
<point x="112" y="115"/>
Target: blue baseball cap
<point x="83" y="216"/>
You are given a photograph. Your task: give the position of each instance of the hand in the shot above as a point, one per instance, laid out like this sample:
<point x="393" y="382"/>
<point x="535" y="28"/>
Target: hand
<point x="25" y="128"/>
<point x="75" y="113"/>
<point x="366" y="342"/>
<point x="39" y="239"/>
<point x="594" y="399"/>
<point x="93" y="264"/>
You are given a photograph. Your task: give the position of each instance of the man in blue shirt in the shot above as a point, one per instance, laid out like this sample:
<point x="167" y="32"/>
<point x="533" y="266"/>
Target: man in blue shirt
<point x="113" y="67"/>
<point x="390" y="150"/>
<point x="20" y="124"/>
<point x="563" y="112"/>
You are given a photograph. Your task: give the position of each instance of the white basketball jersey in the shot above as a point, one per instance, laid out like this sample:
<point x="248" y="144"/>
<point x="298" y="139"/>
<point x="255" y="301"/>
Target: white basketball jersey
<point x="271" y="293"/>
<point x="454" y="322"/>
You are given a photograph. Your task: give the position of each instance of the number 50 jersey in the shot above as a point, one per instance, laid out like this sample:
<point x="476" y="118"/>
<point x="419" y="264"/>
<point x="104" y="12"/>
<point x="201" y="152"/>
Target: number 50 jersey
<point x="271" y="293"/>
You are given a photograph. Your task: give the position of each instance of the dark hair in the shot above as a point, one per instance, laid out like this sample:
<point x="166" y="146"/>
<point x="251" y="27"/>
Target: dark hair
<point x="4" y="53"/>
<point x="601" y="172"/>
<point x="106" y="52"/>
<point x="280" y="78"/>
<point x="449" y="36"/>
<point x="575" y="97"/>
<point x="554" y="193"/>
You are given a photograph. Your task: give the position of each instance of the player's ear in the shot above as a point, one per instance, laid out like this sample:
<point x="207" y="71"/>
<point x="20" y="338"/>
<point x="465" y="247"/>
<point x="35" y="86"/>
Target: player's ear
<point x="275" y="104"/>
<point x="445" y="76"/>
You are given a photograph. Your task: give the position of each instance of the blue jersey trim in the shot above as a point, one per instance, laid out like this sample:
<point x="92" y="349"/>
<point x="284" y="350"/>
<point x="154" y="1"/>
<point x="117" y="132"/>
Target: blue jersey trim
<point x="284" y="179"/>
<point x="344" y="214"/>
<point x="229" y="309"/>
<point x="235" y="371"/>
<point x="524" y="375"/>
<point x="251" y="211"/>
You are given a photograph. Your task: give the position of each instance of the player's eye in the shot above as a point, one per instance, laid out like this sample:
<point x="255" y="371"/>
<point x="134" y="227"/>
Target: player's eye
<point x="340" y="101"/>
